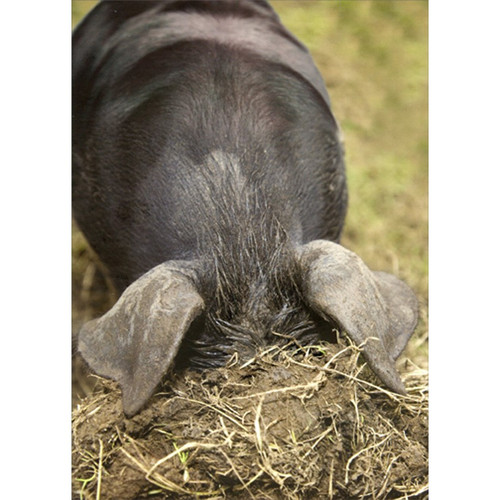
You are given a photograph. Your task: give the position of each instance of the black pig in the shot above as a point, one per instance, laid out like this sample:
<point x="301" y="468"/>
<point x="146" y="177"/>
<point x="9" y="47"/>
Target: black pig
<point x="208" y="175"/>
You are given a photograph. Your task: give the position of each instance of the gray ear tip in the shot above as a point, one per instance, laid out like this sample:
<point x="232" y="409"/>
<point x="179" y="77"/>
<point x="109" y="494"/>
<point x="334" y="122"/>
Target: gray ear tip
<point x="133" y="399"/>
<point x="400" y="388"/>
<point x="385" y="369"/>
<point x="400" y="287"/>
<point x="393" y="382"/>
<point x="403" y="310"/>
<point x="85" y="331"/>
<point x="411" y="300"/>
<point x="131" y="408"/>
<point x="86" y="347"/>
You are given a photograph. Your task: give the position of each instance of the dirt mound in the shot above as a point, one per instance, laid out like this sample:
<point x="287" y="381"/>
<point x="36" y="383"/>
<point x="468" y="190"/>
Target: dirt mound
<point x="292" y="423"/>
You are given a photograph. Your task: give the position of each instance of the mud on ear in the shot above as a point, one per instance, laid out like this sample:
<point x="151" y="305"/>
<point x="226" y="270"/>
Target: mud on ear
<point x="376" y="309"/>
<point x="136" y="341"/>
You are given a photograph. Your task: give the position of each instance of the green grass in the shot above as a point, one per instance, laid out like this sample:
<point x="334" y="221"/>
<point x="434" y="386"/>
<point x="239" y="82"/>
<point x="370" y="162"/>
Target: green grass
<point x="79" y="8"/>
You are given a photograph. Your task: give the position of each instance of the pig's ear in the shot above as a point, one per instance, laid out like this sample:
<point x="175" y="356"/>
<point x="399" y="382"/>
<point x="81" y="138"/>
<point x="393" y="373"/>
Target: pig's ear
<point x="377" y="310"/>
<point x="136" y="341"/>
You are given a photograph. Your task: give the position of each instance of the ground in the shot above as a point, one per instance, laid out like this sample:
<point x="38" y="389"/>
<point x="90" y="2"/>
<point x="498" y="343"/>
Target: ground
<point x="295" y="423"/>
<point x="292" y="423"/>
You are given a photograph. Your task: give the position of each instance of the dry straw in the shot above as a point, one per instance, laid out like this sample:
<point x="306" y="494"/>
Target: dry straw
<point x="289" y="424"/>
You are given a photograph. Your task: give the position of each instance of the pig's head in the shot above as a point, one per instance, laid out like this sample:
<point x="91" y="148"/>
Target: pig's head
<point x="136" y="342"/>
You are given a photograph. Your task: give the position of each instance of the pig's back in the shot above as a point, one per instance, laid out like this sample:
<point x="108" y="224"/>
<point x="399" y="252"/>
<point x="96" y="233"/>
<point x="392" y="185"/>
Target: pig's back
<point x="179" y="137"/>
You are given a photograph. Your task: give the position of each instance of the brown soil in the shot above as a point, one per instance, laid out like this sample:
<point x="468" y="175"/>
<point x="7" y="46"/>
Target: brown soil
<point x="296" y="423"/>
